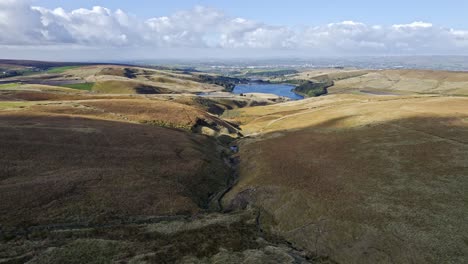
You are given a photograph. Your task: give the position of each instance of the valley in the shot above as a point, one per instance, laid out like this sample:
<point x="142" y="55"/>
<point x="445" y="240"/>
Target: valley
<point x="104" y="163"/>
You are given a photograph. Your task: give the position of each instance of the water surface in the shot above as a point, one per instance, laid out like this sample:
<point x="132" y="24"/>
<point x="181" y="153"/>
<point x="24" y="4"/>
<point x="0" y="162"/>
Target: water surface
<point x="278" y="89"/>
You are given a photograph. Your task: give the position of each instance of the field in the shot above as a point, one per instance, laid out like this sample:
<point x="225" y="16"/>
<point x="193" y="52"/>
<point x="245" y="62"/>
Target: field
<point x="62" y="69"/>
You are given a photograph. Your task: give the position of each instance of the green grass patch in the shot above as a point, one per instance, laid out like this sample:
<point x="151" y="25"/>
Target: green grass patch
<point x="61" y="69"/>
<point x="80" y="86"/>
<point x="11" y="104"/>
<point x="9" y="85"/>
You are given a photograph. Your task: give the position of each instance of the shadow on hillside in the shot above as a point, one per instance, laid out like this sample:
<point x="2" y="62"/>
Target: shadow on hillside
<point x="75" y="170"/>
<point x="388" y="192"/>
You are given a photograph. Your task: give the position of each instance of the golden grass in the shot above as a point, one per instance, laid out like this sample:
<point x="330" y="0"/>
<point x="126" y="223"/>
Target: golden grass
<point x="148" y="110"/>
<point x="12" y="105"/>
<point x="415" y="81"/>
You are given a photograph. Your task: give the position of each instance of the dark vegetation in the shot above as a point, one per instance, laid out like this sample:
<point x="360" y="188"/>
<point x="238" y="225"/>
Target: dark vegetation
<point x="43" y="64"/>
<point x="46" y="65"/>
<point x="273" y="73"/>
<point x="146" y="89"/>
<point x="130" y="73"/>
<point x="19" y="72"/>
<point x="218" y="107"/>
<point x="7" y="73"/>
<point x="312" y="88"/>
<point x="227" y="82"/>
<point x="164" y="240"/>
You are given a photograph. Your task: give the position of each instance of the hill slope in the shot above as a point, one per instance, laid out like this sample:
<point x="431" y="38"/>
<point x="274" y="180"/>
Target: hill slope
<point x="361" y="179"/>
<point x="401" y="81"/>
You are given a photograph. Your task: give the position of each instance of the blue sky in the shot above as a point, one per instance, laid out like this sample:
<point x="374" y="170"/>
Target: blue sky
<point x="450" y="13"/>
<point x="136" y="29"/>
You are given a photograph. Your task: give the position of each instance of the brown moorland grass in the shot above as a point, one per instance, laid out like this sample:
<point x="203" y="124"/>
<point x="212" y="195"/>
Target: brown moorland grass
<point x="33" y="92"/>
<point x="369" y="180"/>
<point x="82" y="190"/>
<point x="147" y="110"/>
<point x="58" y="169"/>
<point x="42" y="88"/>
<point x="38" y="96"/>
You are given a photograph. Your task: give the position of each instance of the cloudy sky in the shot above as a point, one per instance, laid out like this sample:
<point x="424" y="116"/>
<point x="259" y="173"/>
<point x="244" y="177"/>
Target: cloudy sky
<point x="144" y="29"/>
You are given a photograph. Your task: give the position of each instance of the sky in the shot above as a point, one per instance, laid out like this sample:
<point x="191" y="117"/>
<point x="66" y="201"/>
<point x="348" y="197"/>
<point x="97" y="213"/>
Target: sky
<point x="451" y="13"/>
<point x="143" y="29"/>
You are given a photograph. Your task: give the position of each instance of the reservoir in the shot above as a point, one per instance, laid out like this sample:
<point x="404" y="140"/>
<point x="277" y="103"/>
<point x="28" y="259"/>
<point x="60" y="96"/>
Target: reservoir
<point x="278" y="89"/>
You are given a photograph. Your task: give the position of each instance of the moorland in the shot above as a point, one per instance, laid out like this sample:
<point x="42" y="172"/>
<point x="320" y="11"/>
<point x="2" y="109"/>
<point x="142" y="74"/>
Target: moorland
<point x="113" y="163"/>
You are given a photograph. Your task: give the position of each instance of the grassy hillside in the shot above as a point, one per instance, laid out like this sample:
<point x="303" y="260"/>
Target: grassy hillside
<point x="125" y="87"/>
<point x="361" y="179"/>
<point x="401" y="81"/>
<point x="85" y="190"/>
<point x="80" y="86"/>
<point x="86" y="173"/>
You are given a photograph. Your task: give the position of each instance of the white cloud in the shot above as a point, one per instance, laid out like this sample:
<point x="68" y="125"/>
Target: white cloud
<point x="19" y="24"/>
<point x="414" y="25"/>
<point x="202" y="27"/>
<point x="414" y="38"/>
